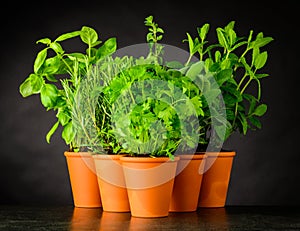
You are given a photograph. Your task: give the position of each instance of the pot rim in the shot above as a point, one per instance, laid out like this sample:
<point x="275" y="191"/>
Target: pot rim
<point x="107" y="156"/>
<point x="196" y="156"/>
<point x="220" y="154"/>
<point x="77" y="154"/>
<point x="134" y="159"/>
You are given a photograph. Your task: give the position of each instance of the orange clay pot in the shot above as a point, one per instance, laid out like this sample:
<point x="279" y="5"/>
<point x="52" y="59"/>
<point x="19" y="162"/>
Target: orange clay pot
<point x="216" y="179"/>
<point x="111" y="183"/>
<point x="149" y="184"/>
<point x="83" y="179"/>
<point x="187" y="183"/>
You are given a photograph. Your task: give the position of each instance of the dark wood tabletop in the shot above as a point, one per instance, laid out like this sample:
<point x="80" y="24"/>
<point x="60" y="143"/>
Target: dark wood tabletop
<point x="76" y="219"/>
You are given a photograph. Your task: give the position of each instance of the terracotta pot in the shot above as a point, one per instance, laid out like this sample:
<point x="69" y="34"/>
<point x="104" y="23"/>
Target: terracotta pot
<point x="83" y="179"/>
<point x="216" y="179"/>
<point x="111" y="183"/>
<point x="149" y="184"/>
<point x="187" y="183"/>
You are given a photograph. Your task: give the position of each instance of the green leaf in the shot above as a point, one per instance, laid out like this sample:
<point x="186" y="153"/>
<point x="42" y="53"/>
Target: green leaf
<point x="160" y="30"/>
<point x="36" y="82"/>
<point x="252" y="102"/>
<point x="63" y="117"/>
<point x="244" y="123"/>
<point x="255" y="122"/>
<point x="67" y="36"/>
<point x="229" y="26"/>
<point x="50" y="78"/>
<point x="260" y="110"/>
<point x="96" y="43"/>
<point x="46" y="41"/>
<point x="250" y="37"/>
<point x="223" y="76"/>
<point x="239" y="44"/>
<point x="68" y="134"/>
<point x="255" y="53"/>
<point x="208" y="63"/>
<point x="198" y="105"/>
<point x="174" y="64"/>
<point x="230" y="115"/>
<point x="260" y="41"/>
<point x="247" y="67"/>
<point x="194" y="70"/>
<point x="230" y="100"/>
<point x="221" y="38"/>
<point x="218" y="56"/>
<point x="149" y="20"/>
<point x="260" y="60"/>
<point x="79" y="56"/>
<point x="51" y="132"/>
<point x="220" y="131"/>
<point x="51" y="66"/>
<point x="191" y="43"/>
<point x="40" y="58"/>
<point x="260" y="76"/>
<point x="203" y="31"/>
<point x="149" y="37"/>
<point x="211" y="95"/>
<point x="231" y="95"/>
<point x="108" y="47"/>
<point x="88" y="35"/>
<point x="225" y="64"/>
<point x="25" y="88"/>
<point x="232" y="37"/>
<point x="49" y="95"/>
<point x="31" y="85"/>
<point x="57" y="47"/>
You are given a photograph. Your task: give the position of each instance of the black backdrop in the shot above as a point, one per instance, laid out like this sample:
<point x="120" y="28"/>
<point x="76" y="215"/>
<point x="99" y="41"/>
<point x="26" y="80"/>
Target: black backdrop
<point x="266" y="168"/>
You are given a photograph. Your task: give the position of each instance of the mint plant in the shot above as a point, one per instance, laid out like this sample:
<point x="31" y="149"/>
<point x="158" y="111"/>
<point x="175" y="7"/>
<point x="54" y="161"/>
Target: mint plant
<point x="236" y="63"/>
<point x="57" y="75"/>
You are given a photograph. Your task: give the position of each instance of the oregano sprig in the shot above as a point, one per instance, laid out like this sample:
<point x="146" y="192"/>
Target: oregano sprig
<point x="154" y="35"/>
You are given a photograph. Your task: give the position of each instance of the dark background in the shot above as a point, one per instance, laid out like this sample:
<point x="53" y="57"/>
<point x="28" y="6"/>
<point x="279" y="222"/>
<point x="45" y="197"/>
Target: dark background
<point x="266" y="168"/>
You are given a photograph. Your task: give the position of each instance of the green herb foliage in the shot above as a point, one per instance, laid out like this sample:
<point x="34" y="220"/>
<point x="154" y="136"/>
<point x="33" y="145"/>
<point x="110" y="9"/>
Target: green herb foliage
<point x="236" y="63"/>
<point x="145" y="106"/>
<point x="155" y="110"/>
<point x="138" y="106"/>
<point x="57" y="75"/>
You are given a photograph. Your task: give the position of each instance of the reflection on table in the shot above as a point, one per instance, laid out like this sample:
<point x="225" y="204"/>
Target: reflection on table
<point x="96" y="219"/>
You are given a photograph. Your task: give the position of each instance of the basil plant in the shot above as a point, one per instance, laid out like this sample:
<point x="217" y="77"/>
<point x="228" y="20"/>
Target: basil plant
<point x="57" y="75"/>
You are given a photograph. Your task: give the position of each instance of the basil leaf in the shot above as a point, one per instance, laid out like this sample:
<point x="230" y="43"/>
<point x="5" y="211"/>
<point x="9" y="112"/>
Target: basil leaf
<point x="49" y="94"/>
<point x="51" y="131"/>
<point x="40" y="58"/>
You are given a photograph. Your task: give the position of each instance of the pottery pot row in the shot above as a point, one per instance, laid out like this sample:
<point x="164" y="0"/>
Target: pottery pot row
<point x="149" y="187"/>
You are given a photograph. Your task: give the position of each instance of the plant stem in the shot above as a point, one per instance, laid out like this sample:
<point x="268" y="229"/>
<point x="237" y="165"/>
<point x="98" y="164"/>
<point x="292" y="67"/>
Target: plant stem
<point x="244" y="53"/>
<point x="246" y="85"/>
<point x="259" y="89"/>
<point x="189" y="59"/>
<point x="242" y="80"/>
<point x="67" y="65"/>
